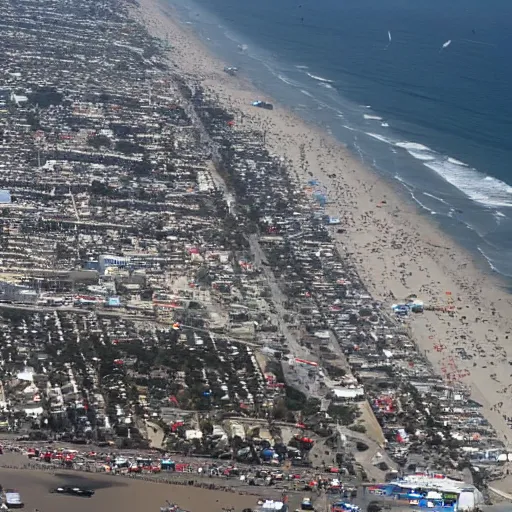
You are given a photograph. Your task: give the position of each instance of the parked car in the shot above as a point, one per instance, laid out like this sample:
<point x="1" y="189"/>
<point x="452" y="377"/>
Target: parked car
<point x="74" y="491"/>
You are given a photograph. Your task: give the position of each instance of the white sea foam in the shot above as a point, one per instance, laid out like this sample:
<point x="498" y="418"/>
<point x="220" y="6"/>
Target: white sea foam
<point x="411" y="191"/>
<point x="306" y="93"/>
<point x="412" y="145"/>
<point x="319" y="78"/>
<point x="457" y="162"/>
<point x="373" y="118"/>
<point x="483" y="189"/>
<point x="285" y="79"/>
<point x="301" y="67"/>
<point x="326" y="85"/>
<point x="497" y="217"/>
<point x="421" y="156"/>
<point x="384" y="125"/>
<point x="380" y="137"/>
<point x="436" y="198"/>
<point x="489" y="260"/>
<point x="432" y="212"/>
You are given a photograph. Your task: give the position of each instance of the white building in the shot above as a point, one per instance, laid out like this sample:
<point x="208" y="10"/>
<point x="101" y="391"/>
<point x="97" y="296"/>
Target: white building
<point x="468" y="496"/>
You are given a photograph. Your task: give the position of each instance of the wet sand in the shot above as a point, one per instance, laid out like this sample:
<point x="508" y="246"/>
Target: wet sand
<point x="396" y="250"/>
<point x="114" y="493"/>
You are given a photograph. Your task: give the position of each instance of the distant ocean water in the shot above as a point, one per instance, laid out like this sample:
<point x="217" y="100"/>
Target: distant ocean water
<point x="438" y="120"/>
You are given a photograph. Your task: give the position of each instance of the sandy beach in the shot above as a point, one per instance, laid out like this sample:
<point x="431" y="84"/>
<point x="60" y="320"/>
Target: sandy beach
<point x="113" y="494"/>
<point x="397" y="251"/>
<point x="121" y="492"/>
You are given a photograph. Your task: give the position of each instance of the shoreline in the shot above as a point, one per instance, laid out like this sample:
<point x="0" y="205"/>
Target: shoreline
<point x="406" y="189"/>
<point x="394" y="247"/>
<point x="410" y="206"/>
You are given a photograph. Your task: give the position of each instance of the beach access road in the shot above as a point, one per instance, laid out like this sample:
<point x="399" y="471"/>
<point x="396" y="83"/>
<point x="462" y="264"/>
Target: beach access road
<point x="279" y="299"/>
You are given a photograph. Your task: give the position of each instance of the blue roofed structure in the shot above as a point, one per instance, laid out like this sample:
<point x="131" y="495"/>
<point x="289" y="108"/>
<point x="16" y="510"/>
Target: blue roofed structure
<point x="5" y="196"/>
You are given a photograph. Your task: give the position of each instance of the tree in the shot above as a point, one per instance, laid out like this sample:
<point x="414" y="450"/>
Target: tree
<point x="279" y="411"/>
<point x="98" y="141"/>
<point x="311" y="407"/>
<point x="346" y="414"/>
<point x="295" y="399"/>
<point x="45" y="96"/>
<point x="127" y="147"/>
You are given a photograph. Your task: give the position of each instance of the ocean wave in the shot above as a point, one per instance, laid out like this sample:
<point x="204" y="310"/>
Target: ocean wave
<point x="416" y="200"/>
<point x="404" y="183"/>
<point x="306" y="93"/>
<point x="379" y="137"/>
<point x="457" y="162"/>
<point x="489" y="260"/>
<point x="372" y="118"/>
<point x="285" y="79"/>
<point x="319" y="78"/>
<point x="421" y="156"/>
<point x="498" y="216"/>
<point x="440" y="199"/>
<point x="481" y="188"/>
<point x="326" y="85"/>
<point x="412" y="145"/>
<point x="302" y="67"/>
<point x="384" y="125"/>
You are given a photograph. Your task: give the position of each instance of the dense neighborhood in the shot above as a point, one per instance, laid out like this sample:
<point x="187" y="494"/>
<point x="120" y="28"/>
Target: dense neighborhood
<point x="165" y="284"/>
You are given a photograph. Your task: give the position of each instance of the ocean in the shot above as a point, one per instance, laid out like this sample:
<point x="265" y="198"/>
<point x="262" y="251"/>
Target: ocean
<point x="420" y="90"/>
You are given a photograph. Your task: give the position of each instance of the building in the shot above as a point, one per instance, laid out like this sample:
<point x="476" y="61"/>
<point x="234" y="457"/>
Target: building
<point x="431" y="490"/>
<point x="106" y="260"/>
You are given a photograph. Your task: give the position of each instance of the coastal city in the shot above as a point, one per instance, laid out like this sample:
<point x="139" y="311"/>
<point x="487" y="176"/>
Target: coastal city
<point x="174" y="305"/>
